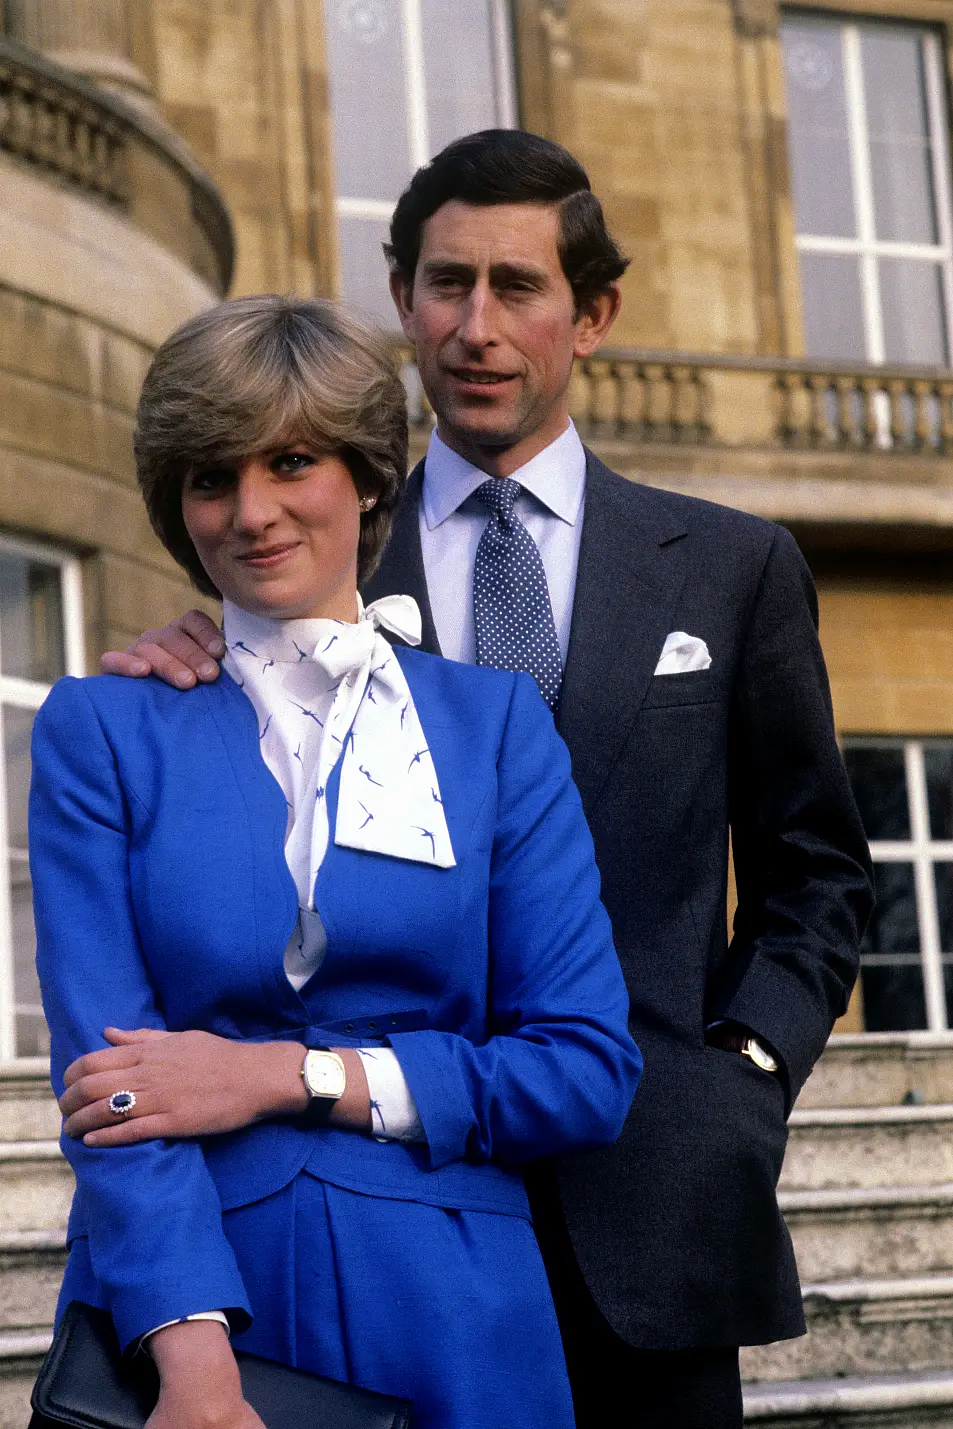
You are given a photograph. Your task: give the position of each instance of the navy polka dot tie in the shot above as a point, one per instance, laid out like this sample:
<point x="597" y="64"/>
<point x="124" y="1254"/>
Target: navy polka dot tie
<point x="514" y="622"/>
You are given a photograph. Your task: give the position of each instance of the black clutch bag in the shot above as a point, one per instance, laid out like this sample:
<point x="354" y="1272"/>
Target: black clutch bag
<point x="86" y="1382"/>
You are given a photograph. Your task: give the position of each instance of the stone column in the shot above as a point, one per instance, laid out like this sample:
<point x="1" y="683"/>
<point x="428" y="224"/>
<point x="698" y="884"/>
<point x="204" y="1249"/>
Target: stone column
<point x="92" y="37"/>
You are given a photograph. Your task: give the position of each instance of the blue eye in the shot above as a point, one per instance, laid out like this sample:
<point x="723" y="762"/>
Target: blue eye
<point x="292" y="462"/>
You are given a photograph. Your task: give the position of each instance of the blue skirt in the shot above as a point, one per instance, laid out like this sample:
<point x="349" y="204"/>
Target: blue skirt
<point x="448" y="1308"/>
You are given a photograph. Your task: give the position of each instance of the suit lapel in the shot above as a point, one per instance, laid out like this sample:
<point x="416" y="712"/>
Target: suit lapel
<point x="401" y="571"/>
<point x="631" y="571"/>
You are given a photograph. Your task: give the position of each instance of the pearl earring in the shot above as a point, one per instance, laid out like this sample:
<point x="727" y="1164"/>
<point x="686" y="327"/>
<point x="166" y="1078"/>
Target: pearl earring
<point x="367" y="502"/>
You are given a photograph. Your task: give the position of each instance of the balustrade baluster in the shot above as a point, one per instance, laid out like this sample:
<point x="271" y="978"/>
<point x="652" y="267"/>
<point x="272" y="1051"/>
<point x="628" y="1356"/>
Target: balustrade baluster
<point x="895" y="391"/>
<point x="790" y="387"/>
<point x="924" y="424"/>
<point x="604" y="399"/>
<point x="686" y="404"/>
<point x="658" y="402"/>
<point x="631" y="398"/>
<point x="848" y="427"/>
<point x="945" y="398"/>
<point x="821" y="432"/>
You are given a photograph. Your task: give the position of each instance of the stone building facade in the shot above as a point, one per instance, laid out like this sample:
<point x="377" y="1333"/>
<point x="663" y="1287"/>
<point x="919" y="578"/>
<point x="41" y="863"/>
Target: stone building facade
<point x="783" y="346"/>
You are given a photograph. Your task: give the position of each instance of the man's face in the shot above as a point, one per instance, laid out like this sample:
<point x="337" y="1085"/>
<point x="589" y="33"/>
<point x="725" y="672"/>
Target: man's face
<point x="494" y="323"/>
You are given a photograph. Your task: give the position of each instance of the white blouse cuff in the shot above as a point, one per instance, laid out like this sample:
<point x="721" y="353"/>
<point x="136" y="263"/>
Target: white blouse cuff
<point x="218" y="1315"/>
<point x="394" y="1114"/>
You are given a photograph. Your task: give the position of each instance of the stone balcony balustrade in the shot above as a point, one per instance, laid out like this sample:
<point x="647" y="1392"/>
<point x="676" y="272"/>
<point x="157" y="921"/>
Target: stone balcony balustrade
<point x="98" y="144"/>
<point x="813" y="444"/>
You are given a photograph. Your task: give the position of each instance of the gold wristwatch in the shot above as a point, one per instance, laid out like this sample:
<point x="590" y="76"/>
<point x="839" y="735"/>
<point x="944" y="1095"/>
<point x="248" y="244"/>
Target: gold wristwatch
<point x="324" y="1076"/>
<point x="759" y="1054"/>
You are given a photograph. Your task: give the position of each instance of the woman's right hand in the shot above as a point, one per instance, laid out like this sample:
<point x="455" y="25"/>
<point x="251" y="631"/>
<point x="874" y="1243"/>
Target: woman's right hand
<point x="200" y="1384"/>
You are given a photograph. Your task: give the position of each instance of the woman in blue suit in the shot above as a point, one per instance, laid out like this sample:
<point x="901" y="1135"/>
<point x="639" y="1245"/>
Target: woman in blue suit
<point x="297" y="1109"/>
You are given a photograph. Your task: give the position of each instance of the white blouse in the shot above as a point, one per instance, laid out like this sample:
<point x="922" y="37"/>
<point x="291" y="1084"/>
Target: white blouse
<point x="327" y="691"/>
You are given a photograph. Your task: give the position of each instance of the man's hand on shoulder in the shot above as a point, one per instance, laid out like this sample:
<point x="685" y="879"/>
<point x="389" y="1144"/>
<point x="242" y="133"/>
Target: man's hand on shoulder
<point x="179" y="653"/>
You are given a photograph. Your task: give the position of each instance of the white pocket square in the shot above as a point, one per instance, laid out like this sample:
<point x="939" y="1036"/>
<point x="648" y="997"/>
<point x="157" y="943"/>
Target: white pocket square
<point x="682" y="653"/>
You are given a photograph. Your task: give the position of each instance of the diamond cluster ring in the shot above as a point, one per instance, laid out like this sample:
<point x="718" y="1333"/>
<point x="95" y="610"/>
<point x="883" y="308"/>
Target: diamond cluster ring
<point x="122" y="1103"/>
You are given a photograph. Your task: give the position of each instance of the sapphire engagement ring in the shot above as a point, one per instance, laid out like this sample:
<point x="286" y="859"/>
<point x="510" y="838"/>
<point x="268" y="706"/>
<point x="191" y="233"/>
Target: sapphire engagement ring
<point x="122" y="1103"/>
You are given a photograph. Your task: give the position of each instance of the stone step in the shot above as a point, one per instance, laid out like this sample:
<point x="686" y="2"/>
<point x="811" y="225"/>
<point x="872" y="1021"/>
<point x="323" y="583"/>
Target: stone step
<point x="28" y="1110"/>
<point x="858" y="1402"/>
<point x="864" y="1327"/>
<point x="848" y="1233"/>
<point x="36" y="1186"/>
<point x="882" y="1069"/>
<point x="31" y="1268"/>
<point x="20" y="1358"/>
<point x="868" y="1147"/>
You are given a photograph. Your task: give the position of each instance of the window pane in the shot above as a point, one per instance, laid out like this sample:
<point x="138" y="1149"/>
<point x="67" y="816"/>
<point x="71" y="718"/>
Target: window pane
<point x="368" y="107"/>
<point x="460" y="69"/>
<point x="879" y="782"/>
<point x="938" y="762"/>
<point x="31" y="1033"/>
<point x="911" y="297"/>
<point x="17" y="725"/>
<point x="893" y="929"/>
<point x="890" y="967"/>
<point x="893" y="999"/>
<point x="833" y="313"/>
<point x="817" y="128"/>
<point x="898" y="126"/>
<point x="31" y="619"/>
<point x="364" y="270"/>
<point x="943" y="880"/>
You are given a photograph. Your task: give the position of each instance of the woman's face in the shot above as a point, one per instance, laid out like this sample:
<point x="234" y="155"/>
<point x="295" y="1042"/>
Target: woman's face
<point x="277" y="532"/>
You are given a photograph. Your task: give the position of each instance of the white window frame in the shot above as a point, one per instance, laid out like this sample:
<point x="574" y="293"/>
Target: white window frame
<point x="923" y="852"/>
<point x="415" y="88"/>
<point x="866" y="246"/>
<point x="29" y="695"/>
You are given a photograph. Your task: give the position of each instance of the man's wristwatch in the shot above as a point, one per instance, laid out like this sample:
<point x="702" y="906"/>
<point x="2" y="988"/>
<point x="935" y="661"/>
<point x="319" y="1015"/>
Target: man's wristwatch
<point x="732" y="1037"/>
<point x="324" y="1077"/>
<point x="759" y="1054"/>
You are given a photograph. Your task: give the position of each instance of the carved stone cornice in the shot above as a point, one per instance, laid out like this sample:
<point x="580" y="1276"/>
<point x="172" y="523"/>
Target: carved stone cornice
<point x="757" y="19"/>
<point x="75" y="132"/>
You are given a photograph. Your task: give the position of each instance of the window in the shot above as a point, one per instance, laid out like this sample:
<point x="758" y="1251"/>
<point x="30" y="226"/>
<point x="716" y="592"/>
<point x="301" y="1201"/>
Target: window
<point x="870" y="169"/>
<point x="904" y="789"/>
<point x="407" y="77"/>
<point x="41" y="638"/>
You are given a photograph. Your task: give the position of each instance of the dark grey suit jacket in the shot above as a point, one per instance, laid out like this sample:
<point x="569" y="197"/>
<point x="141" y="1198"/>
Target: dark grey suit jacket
<point x="676" y="1229"/>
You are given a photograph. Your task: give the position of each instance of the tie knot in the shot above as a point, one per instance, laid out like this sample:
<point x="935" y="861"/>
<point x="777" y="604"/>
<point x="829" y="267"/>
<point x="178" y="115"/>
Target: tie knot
<point x="499" y="495"/>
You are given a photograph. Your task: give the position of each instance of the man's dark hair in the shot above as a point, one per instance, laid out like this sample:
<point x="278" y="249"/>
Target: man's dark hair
<point x="511" y="166"/>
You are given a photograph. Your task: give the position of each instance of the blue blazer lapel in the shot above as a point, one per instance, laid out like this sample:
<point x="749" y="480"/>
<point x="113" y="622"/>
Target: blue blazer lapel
<point x="273" y="897"/>
<point x="401" y="571"/>
<point x="632" y="565"/>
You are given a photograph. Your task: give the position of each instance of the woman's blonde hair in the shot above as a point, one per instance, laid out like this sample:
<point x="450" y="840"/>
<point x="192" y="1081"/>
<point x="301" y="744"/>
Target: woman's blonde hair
<point x="256" y="374"/>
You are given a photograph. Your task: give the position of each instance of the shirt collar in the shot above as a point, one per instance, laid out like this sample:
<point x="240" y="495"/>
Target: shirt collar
<point x="556" y="476"/>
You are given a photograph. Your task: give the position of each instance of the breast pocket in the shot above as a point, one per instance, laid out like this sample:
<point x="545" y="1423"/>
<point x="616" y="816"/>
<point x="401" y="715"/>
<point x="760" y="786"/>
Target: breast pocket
<point x="695" y="687"/>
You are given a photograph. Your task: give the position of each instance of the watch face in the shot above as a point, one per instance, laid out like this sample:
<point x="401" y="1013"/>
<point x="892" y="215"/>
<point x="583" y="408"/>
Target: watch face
<point x="324" y="1075"/>
<point x="760" y="1055"/>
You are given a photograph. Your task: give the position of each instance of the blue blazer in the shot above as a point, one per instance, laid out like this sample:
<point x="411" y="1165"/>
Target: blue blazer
<point x="163" y="899"/>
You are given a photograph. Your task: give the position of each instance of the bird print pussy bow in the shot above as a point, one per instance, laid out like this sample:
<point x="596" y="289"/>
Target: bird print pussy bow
<point x="326" y="690"/>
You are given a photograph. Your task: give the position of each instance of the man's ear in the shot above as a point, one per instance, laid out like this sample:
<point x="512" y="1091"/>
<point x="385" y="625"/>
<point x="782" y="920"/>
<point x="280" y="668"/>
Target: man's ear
<point x="402" y="291"/>
<point x="595" y="319"/>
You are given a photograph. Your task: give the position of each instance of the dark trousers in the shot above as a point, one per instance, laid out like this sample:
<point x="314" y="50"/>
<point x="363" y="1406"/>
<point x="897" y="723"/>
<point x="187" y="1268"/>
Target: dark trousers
<point x="617" y="1384"/>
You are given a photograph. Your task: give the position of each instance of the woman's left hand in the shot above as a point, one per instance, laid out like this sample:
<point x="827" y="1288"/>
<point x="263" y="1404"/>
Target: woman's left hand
<point x="184" y="1083"/>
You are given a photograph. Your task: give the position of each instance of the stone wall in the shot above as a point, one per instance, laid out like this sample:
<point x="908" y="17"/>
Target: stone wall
<point x="244" y="82"/>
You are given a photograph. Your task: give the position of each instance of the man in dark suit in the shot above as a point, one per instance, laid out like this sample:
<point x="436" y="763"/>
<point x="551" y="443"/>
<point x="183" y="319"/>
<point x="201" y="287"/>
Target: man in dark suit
<point x="676" y="641"/>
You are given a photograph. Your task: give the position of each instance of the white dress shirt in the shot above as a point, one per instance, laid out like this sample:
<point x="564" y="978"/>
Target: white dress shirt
<point x="452" y="521"/>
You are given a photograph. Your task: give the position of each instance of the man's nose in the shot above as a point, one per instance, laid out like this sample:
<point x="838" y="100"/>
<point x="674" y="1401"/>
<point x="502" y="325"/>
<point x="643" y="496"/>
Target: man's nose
<point x="476" y="319"/>
<point x="255" y="505"/>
